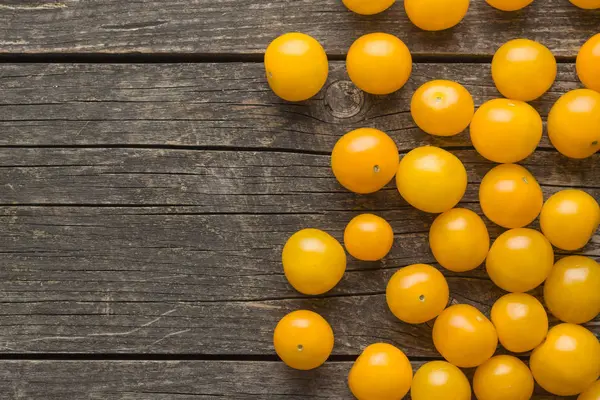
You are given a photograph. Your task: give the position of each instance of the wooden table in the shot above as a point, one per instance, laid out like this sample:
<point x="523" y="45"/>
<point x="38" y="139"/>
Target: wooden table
<point x="150" y="178"/>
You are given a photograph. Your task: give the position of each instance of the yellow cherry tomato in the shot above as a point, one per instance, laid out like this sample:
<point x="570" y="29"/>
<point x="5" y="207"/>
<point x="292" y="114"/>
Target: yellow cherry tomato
<point x="510" y="196"/>
<point x="509" y="5"/>
<point x="586" y="4"/>
<point x="503" y="378"/>
<point x="588" y="62"/>
<point x="520" y="260"/>
<point x="303" y="340"/>
<point x="313" y="261"/>
<point x="574" y="123"/>
<point x="296" y="66"/>
<point x="570" y="218"/>
<point x="591" y="393"/>
<point x="435" y="380"/>
<point x="365" y="160"/>
<point x="442" y="108"/>
<point x="459" y="240"/>
<point x="436" y="15"/>
<point x="368" y="7"/>
<point x="381" y="372"/>
<point x="464" y="336"/>
<point x="521" y="322"/>
<point x="572" y="290"/>
<point x="368" y="237"/>
<point x="379" y="63"/>
<point x="568" y="361"/>
<point x="431" y="179"/>
<point x="417" y="293"/>
<point x="506" y="131"/>
<point x="523" y="69"/>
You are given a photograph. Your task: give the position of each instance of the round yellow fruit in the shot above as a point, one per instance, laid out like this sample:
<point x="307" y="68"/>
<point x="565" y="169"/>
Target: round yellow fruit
<point x="586" y="4"/>
<point x="368" y="7"/>
<point x="588" y="62"/>
<point x="503" y="378"/>
<point x="436" y="379"/>
<point x="591" y="393"/>
<point x="368" y="237"/>
<point x="436" y="15"/>
<point x="509" y="5"/>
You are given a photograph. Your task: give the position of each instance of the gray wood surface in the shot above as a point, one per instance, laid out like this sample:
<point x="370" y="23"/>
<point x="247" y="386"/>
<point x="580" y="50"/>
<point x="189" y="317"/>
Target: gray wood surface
<point x="246" y="27"/>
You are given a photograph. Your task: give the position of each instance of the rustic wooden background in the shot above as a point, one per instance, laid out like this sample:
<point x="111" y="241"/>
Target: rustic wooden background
<point x="149" y="179"/>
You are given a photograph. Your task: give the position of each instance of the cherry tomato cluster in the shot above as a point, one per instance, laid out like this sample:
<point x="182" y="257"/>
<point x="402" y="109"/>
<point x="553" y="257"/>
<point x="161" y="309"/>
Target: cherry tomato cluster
<point x="565" y="359"/>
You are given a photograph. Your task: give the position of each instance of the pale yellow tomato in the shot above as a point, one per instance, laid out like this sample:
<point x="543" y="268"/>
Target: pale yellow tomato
<point x="509" y="5"/>
<point x="368" y="7"/>
<point x="568" y="362"/>
<point x="436" y="15"/>
<point x="510" y="196"/>
<point x="436" y="380"/>
<point x="459" y="240"/>
<point x="379" y="63"/>
<point x="586" y="4"/>
<point x="368" y="237"/>
<point x="588" y="62"/>
<point x="520" y="320"/>
<point x="506" y="131"/>
<point x="503" y="378"/>
<point x="313" y="261"/>
<point x="520" y="260"/>
<point x="431" y="179"/>
<point x="523" y="69"/>
<point x="591" y="393"/>
<point x="572" y="290"/>
<point x="296" y="66"/>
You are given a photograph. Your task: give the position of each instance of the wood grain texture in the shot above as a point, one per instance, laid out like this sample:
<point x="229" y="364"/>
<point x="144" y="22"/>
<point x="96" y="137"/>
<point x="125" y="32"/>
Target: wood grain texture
<point x="180" y="380"/>
<point x="245" y="26"/>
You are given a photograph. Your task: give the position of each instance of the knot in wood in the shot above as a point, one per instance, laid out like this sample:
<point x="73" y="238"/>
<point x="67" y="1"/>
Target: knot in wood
<point x="343" y="99"/>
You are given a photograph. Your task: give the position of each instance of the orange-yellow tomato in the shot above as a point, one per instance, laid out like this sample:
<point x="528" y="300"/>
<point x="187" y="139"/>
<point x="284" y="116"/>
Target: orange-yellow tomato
<point x="365" y="160"/>
<point x="510" y="196"/>
<point x="459" y="240"/>
<point x="368" y="237"/>
<point x="435" y="380"/>
<point x="296" y="66"/>
<point x="303" y="340"/>
<point x="588" y="62"/>
<point x="381" y="372"/>
<point x="368" y="7"/>
<point x="503" y="378"/>
<point x="436" y="15"/>
<point x="523" y="69"/>
<point x="570" y="218"/>
<point x="509" y="5"/>
<point x="417" y="293"/>
<point x="520" y="320"/>
<point x="313" y="261"/>
<point x="442" y="108"/>
<point x="586" y="4"/>
<point x="591" y="393"/>
<point x="506" y="131"/>
<point x="520" y="260"/>
<point x="379" y="63"/>
<point x="568" y="362"/>
<point x="572" y="290"/>
<point x="464" y="336"/>
<point x="574" y="123"/>
<point x="431" y="179"/>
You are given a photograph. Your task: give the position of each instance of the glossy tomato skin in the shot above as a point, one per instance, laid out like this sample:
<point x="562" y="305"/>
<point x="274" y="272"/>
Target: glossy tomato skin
<point x="436" y="15"/>
<point x="381" y="372"/>
<point x="431" y="179"/>
<point x="506" y="131"/>
<point x="459" y="240"/>
<point x="586" y="4"/>
<point x="296" y="66"/>
<point x="521" y="322"/>
<point x="464" y="336"/>
<point x="365" y="160"/>
<point x="572" y="290"/>
<point x="567" y="362"/>
<point x="437" y="380"/>
<point x="574" y="123"/>
<point x="510" y="196"/>
<point x="570" y="218"/>
<point x="503" y="378"/>
<point x="591" y="393"/>
<point x="442" y="108"/>
<point x="520" y="260"/>
<point x="417" y="293"/>
<point x="523" y="69"/>
<point x="303" y="340"/>
<point x="588" y="62"/>
<point x="368" y="237"/>
<point x="379" y="63"/>
<point x="509" y="5"/>
<point x="368" y="7"/>
<point x="313" y="261"/>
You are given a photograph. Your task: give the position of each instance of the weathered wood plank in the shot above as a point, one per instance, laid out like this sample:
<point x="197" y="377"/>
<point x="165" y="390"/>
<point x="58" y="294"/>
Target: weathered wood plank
<point x="244" y="26"/>
<point x="179" y="380"/>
